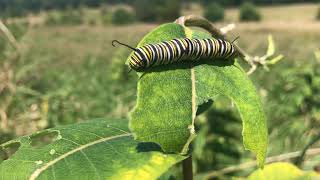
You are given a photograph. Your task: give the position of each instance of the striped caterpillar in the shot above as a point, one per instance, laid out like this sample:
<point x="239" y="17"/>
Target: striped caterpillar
<point x="177" y="50"/>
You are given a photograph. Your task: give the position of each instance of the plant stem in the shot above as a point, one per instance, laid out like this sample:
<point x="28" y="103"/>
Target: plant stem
<point x="198" y="21"/>
<point x="187" y="168"/>
<point x="9" y="35"/>
<point x="201" y="22"/>
<point x="300" y="159"/>
<point x="250" y="164"/>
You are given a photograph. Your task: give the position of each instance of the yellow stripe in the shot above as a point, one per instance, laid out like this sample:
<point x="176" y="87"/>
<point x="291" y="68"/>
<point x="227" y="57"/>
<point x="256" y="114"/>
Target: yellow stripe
<point x="204" y="47"/>
<point x="213" y="47"/>
<point x="134" y="62"/>
<point x="147" y="52"/>
<point x="183" y="41"/>
<point x="151" y="53"/>
<point x="164" y="53"/>
<point x="148" y="55"/>
<point x="216" y="45"/>
<point x="173" y="49"/>
<point x="229" y="47"/>
<point x="158" y="52"/>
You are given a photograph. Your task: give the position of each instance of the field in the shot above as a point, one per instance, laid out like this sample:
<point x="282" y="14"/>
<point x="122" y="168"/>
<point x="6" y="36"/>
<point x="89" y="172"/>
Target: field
<point x="68" y="74"/>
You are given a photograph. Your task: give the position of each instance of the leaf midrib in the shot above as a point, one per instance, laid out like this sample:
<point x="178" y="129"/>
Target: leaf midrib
<point x="38" y="171"/>
<point x="193" y="100"/>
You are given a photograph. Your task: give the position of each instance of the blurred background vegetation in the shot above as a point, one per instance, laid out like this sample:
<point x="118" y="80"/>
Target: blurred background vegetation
<point x="66" y="71"/>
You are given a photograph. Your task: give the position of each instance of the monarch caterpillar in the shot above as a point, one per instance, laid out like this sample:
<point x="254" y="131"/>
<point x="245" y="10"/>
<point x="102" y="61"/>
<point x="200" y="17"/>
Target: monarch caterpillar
<point x="177" y="50"/>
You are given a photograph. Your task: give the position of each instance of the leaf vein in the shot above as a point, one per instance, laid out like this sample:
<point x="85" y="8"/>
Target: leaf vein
<point x="38" y="171"/>
<point x="92" y="165"/>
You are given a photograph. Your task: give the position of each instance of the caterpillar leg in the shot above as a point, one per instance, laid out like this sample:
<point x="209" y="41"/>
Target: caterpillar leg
<point x="142" y="75"/>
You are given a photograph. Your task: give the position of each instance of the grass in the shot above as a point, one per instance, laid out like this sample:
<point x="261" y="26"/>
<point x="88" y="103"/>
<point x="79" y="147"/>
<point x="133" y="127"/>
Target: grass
<point x="74" y="43"/>
<point x="285" y="13"/>
<point x="291" y="25"/>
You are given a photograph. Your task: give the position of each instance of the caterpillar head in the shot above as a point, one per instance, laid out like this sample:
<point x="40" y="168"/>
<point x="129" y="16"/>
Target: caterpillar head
<point x="137" y="60"/>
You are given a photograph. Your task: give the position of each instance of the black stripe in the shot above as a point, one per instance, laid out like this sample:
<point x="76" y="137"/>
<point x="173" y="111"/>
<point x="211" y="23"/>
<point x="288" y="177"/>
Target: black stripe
<point x="209" y="46"/>
<point x="225" y="47"/>
<point x="144" y="58"/>
<point x="194" y="49"/>
<point x="162" y="52"/>
<point x="231" y="51"/>
<point x="155" y="56"/>
<point x="212" y="48"/>
<point x="199" y="49"/>
<point x="178" y="41"/>
<point x="170" y="59"/>
<point x="137" y="62"/>
<point x="206" y="51"/>
<point x="182" y="50"/>
<point x="189" y="48"/>
<point x="159" y="53"/>
<point x="220" y="52"/>
<point x="186" y="50"/>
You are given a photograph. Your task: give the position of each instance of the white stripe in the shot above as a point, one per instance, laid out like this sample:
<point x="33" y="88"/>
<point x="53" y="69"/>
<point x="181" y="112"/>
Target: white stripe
<point x="153" y="53"/>
<point x="208" y="47"/>
<point x="222" y="47"/>
<point x="169" y="55"/>
<point x="177" y="47"/>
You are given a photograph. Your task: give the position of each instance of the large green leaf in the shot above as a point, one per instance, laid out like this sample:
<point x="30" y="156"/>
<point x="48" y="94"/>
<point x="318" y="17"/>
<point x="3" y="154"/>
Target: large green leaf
<point x="283" y="171"/>
<point x="98" y="149"/>
<point x="168" y="98"/>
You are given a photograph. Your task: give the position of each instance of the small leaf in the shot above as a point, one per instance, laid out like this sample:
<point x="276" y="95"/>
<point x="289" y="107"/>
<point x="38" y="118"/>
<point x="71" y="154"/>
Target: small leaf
<point x="271" y="48"/>
<point x="97" y="149"/>
<point x="283" y="171"/>
<point x="317" y="54"/>
<point x="168" y="98"/>
<point x="275" y="60"/>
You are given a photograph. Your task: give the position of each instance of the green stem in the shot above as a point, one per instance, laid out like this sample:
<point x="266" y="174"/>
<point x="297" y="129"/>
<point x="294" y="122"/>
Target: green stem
<point x="9" y="35"/>
<point x="251" y="164"/>
<point x="300" y="159"/>
<point x="198" y="21"/>
<point x="187" y="168"/>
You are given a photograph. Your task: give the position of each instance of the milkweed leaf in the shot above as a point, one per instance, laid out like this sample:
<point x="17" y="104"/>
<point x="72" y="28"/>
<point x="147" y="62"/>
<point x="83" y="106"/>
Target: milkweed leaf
<point x="97" y="149"/>
<point x="284" y="171"/>
<point x="168" y="98"/>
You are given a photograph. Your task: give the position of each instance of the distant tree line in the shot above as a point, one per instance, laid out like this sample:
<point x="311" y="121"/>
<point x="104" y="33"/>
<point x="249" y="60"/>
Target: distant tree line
<point x="22" y="7"/>
<point x="157" y="10"/>
<point x="259" y="2"/>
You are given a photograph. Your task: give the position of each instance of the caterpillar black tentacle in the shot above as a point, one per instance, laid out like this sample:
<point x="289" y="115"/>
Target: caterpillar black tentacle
<point x="126" y="45"/>
<point x="177" y="50"/>
<point x="235" y="39"/>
